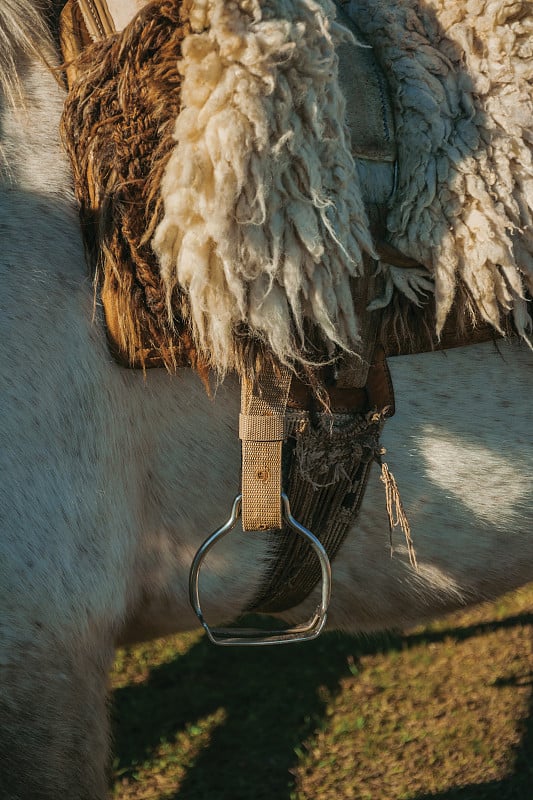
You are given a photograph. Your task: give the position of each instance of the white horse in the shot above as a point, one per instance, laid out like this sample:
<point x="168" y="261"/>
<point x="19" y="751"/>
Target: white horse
<point x="112" y="479"/>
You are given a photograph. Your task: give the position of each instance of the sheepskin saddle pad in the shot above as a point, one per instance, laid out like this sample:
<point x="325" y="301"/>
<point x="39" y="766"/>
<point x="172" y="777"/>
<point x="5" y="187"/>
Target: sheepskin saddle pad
<point x="219" y="199"/>
<point x="223" y="201"/>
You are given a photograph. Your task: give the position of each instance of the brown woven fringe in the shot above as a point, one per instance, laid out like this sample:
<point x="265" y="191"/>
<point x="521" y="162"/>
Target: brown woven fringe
<point x="117" y="126"/>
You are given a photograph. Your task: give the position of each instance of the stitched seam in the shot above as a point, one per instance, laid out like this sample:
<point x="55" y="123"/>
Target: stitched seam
<point x="96" y="16"/>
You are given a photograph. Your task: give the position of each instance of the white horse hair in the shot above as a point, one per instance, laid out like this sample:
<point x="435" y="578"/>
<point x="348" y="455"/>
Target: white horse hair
<point x="111" y="480"/>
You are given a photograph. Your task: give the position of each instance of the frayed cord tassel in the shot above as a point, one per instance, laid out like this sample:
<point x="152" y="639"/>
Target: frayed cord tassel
<point x="396" y="512"/>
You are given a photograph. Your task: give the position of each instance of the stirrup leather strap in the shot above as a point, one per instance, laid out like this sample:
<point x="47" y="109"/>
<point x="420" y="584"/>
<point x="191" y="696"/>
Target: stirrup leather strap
<point x="262" y="431"/>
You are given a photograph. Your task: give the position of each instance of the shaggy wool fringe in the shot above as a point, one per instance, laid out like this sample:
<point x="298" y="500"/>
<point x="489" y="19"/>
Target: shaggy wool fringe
<point x="263" y="225"/>
<point x="461" y="76"/>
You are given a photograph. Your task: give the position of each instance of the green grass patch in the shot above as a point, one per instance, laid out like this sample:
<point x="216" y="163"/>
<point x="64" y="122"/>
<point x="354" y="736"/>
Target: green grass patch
<point x="443" y="712"/>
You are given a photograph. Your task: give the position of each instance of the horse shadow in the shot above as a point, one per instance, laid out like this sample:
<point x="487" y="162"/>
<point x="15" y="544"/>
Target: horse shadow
<point x="273" y="701"/>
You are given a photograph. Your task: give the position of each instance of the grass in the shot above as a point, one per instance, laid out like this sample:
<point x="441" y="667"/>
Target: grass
<point x="443" y="712"/>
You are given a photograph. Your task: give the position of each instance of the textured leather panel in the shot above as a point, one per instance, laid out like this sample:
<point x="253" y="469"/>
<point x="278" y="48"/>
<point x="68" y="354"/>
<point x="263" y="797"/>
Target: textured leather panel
<point x="368" y="108"/>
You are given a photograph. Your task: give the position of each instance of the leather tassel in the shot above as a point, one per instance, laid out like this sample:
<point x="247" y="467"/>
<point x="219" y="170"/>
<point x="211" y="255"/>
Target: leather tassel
<point x="396" y="512"/>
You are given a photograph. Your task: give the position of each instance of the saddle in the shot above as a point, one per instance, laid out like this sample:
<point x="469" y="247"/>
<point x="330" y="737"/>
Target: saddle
<point x="314" y="431"/>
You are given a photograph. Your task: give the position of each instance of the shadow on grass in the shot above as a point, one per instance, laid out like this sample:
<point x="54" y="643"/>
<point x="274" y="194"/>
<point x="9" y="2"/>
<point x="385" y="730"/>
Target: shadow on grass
<point x="519" y="784"/>
<point x="274" y="699"/>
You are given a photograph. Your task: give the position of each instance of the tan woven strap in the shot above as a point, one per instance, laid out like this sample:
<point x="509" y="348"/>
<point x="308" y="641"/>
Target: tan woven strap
<point x="262" y="431"/>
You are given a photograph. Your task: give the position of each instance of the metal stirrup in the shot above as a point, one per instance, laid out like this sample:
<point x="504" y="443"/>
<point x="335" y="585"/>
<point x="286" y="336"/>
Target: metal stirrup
<point x="253" y="636"/>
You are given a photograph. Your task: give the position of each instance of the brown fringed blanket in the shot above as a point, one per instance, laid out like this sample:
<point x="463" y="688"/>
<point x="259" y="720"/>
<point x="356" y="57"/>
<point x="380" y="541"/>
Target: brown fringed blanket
<point x="118" y="125"/>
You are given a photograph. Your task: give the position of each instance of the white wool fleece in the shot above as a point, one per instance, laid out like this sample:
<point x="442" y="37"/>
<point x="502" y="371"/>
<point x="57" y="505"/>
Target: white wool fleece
<point x="461" y="75"/>
<point x="263" y="218"/>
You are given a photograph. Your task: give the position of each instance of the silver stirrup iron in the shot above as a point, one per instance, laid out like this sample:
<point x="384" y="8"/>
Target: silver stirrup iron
<point x="254" y="636"/>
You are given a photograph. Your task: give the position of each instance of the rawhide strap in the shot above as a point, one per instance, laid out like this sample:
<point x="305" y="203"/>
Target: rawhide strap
<point x="97" y="18"/>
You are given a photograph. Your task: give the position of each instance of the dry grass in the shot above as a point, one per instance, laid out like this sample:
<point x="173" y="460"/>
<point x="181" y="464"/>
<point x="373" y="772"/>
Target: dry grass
<point x="443" y="712"/>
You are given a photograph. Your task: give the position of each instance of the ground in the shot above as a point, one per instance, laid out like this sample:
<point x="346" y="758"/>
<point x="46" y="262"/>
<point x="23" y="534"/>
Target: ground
<point x="444" y="712"/>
